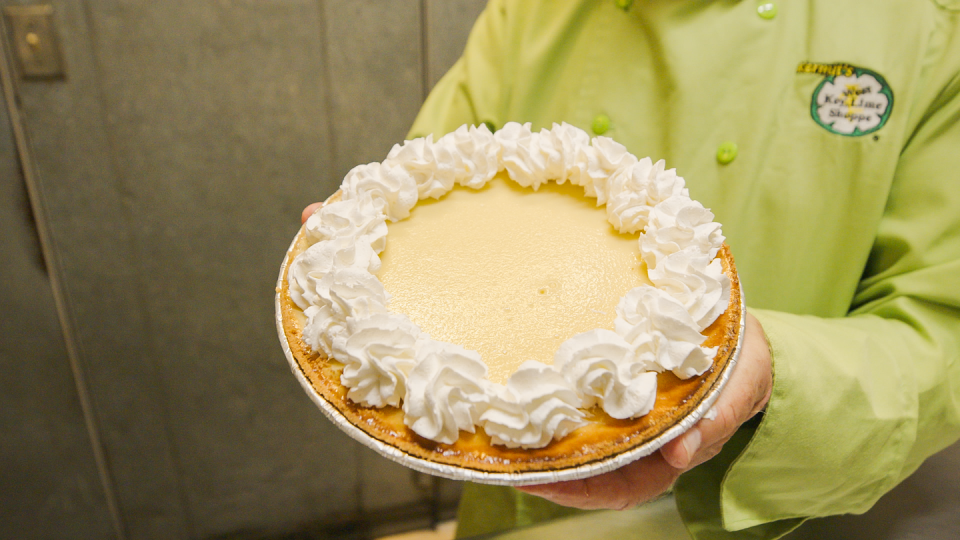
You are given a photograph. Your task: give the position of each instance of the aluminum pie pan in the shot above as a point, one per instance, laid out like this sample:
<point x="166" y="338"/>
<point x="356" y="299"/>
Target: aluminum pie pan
<point x="524" y="478"/>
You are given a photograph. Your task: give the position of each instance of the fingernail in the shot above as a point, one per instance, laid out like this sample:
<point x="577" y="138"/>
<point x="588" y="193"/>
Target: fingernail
<point x="691" y="443"/>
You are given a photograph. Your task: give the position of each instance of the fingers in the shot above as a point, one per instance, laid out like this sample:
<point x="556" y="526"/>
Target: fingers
<point x="745" y="395"/>
<point x="626" y="487"/>
<point x="308" y="211"/>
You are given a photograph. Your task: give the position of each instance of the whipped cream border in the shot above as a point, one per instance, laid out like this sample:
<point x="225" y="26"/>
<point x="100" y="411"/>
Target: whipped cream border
<point x="443" y="387"/>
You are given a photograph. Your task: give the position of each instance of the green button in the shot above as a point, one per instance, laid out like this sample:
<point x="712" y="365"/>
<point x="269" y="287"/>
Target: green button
<point x="727" y="152"/>
<point x="624" y="4"/>
<point x="767" y="10"/>
<point x="601" y="124"/>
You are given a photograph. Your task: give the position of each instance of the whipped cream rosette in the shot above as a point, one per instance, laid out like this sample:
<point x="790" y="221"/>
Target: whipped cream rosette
<point x="383" y="360"/>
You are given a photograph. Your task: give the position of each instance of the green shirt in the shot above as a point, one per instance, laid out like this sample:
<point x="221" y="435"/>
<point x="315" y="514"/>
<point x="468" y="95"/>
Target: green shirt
<point x="840" y="200"/>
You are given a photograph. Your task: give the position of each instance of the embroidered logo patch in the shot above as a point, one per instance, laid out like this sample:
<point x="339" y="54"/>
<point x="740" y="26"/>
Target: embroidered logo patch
<point x="851" y="101"/>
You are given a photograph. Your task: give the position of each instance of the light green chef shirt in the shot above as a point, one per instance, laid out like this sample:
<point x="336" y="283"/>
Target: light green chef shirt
<point x="847" y="244"/>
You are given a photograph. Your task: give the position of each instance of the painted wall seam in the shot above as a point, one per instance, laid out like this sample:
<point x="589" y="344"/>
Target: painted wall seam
<point x="425" y="75"/>
<point x="327" y="77"/>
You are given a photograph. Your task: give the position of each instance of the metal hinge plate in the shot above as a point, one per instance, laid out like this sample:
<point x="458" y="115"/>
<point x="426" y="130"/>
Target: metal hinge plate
<point x="36" y="45"/>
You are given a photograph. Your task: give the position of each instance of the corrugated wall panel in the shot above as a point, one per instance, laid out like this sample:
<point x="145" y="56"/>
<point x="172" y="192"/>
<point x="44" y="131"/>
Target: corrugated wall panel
<point x="216" y="113"/>
<point x="173" y="164"/>
<point x="93" y="242"/>
<point x="376" y="80"/>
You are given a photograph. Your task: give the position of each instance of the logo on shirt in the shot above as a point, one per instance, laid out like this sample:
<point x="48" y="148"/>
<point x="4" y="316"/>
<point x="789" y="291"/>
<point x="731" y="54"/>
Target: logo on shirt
<point x="851" y="100"/>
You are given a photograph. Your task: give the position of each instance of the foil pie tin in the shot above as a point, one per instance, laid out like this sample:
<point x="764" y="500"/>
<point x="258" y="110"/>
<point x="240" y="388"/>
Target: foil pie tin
<point x="499" y="478"/>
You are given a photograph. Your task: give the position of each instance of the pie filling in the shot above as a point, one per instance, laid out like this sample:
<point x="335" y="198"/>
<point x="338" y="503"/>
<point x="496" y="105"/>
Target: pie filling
<point x="509" y="272"/>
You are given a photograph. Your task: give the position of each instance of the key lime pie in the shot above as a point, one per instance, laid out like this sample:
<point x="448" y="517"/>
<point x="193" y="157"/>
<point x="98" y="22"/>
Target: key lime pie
<point x="547" y="306"/>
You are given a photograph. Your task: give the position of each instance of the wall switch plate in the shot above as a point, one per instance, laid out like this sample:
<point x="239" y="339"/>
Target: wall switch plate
<point x="34" y="40"/>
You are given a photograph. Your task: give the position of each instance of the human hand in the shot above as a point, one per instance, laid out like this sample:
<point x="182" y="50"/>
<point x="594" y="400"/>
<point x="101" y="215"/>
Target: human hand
<point x="745" y="394"/>
<point x="308" y="211"/>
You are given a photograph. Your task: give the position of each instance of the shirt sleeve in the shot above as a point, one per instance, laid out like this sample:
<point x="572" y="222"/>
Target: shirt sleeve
<point x="858" y="402"/>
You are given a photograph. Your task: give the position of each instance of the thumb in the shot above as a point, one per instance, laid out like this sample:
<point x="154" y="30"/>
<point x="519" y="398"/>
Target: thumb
<point x="679" y="453"/>
<point x="745" y="395"/>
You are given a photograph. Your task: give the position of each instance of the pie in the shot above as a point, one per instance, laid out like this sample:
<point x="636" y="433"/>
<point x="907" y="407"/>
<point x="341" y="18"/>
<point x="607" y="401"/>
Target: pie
<point x="498" y="264"/>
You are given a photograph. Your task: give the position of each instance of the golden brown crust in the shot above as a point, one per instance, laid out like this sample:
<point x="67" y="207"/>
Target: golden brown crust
<point x="602" y="438"/>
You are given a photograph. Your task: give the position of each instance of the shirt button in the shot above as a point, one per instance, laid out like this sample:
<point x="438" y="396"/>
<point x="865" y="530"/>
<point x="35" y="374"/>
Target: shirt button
<point x="727" y="152"/>
<point x="601" y="124"/>
<point x="624" y="4"/>
<point x="767" y="10"/>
